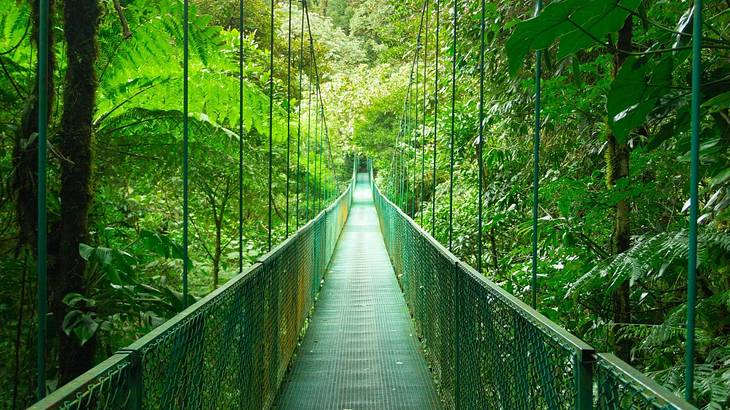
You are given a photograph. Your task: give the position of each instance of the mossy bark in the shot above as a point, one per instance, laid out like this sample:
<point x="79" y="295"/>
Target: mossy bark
<point x="81" y="20"/>
<point x="617" y="167"/>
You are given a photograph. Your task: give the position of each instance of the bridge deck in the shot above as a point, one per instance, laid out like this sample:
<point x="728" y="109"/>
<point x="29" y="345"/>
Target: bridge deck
<point x="360" y="351"/>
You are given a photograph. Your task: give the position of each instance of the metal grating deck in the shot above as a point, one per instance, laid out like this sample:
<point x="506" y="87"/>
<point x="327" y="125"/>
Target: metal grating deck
<point x="360" y="351"/>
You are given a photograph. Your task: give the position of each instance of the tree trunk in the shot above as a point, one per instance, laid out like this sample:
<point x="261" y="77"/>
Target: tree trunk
<point x="81" y="20"/>
<point x="217" y="252"/>
<point x="617" y="167"/>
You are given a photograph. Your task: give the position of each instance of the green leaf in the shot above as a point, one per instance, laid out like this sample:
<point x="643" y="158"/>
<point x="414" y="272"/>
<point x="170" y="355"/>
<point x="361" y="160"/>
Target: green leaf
<point x="81" y="324"/>
<point x="116" y="265"/>
<point x="718" y="103"/>
<point x="596" y="20"/>
<point x="75" y="299"/>
<point x="577" y="23"/>
<point x="635" y="92"/>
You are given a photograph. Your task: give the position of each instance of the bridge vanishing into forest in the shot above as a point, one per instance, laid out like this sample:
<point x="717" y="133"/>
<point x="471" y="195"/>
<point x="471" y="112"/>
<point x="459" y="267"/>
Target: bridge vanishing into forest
<point x="359" y="308"/>
<point x="389" y="318"/>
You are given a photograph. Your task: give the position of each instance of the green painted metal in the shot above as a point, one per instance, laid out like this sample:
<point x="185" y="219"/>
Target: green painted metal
<point x="425" y="108"/>
<point x="536" y="165"/>
<point x="240" y="136"/>
<point x="230" y="349"/>
<point x="288" y="118"/>
<point x="620" y="386"/>
<point x="416" y="117"/>
<point x="480" y="143"/>
<point x="437" y="49"/>
<point x="316" y="182"/>
<point x="42" y="240"/>
<point x="308" y="147"/>
<point x="485" y="346"/>
<point x="105" y="386"/>
<point x="271" y="125"/>
<point x="453" y="124"/>
<point x="299" y="119"/>
<point x="186" y="150"/>
<point x="693" y="188"/>
<point x="360" y="350"/>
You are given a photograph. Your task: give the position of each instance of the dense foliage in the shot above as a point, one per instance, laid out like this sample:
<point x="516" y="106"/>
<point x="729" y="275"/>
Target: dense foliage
<point x="132" y="251"/>
<point x="613" y="160"/>
<point x="614" y="166"/>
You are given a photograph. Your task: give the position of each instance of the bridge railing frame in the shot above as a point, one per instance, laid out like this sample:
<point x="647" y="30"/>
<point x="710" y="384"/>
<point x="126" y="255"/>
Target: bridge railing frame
<point x="212" y="354"/>
<point x="598" y="380"/>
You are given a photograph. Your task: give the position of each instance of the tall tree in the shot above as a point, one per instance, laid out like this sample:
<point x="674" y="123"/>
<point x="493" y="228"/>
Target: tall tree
<point x="75" y="142"/>
<point x="617" y="168"/>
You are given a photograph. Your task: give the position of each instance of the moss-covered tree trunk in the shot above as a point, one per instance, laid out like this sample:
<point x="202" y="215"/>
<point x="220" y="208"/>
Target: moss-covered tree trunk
<point x="81" y="20"/>
<point x="617" y="167"/>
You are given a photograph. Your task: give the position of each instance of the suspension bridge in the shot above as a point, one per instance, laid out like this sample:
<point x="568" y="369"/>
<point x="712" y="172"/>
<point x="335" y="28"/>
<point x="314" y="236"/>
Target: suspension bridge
<point x="397" y="322"/>
<point x="359" y="308"/>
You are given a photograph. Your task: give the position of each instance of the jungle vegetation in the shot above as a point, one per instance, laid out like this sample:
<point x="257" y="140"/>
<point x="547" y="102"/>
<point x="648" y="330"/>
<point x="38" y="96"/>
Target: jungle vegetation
<point x="614" y="161"/>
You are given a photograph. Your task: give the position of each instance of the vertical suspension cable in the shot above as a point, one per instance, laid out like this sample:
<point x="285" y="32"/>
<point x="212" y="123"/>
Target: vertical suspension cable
<point x="288" y="119"/>
<point x="689" y="358"/>
<point x="435" y="119"/>
<point x="186" y="135"/>
<point x="299" y="114"/>
<point x="480" y="144"/>
<point x="536" y="165"/>
<point x="309" y="127"/>
<point x="425" y="108"/>
<point x="42" y="211"/>
<point x="321" y="156"/>
<point x="315" y="180"/>
<point x="395" y="161"/>
<point x="399" y="156"/>
<point x="416" y="117"/>
<point x="319" y="102"/>
<point x="453" y="127"/>
<point x="240" y="136"/>
<point x="271" y="125"/>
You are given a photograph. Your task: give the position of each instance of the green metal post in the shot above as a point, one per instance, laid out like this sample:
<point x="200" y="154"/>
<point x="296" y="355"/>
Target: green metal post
<point x="271" y="126"/>
<point x="299" y="120"/>
<point x="240" y="136"/>
<point x="458" y="277"/>
<point x="425" y="102"/>
<point x="583" y="365"/>
<point x="435" y="119"/>
<point x="42" y="293"/>
<point x="453" y="126"/>
<point x="689" y="359"/>
<point x="316" y="182"/>
<point x="536" y="165"/>
<point x="186" y="135"/>
<point x="309" y="131"/>
<point x="288" y="119"/>
<point x="480" y="144"/>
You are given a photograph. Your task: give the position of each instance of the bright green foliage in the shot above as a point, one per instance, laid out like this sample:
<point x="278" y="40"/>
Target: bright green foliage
<point x="576" y="23"/>
<point x="644" y="104"/>
<point x="134" y="249"/>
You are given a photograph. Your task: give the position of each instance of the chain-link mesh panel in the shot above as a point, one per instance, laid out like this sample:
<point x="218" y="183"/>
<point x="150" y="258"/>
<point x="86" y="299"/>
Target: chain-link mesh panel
<point x="620" y="386"/>
<point x="229" y="350"/>
<point x="486" y="348"/>
<point x="108" y="386"/>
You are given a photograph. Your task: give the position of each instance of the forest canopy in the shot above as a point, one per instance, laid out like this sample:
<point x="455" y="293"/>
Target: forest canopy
<point x="614" y="160"/>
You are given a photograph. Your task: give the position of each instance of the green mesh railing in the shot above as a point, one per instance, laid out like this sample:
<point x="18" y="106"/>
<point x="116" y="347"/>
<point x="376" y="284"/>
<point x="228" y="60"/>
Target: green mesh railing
<point x="487" y="349"/>
<point x="229" y="350"/>
<point x="620" y="386"/>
